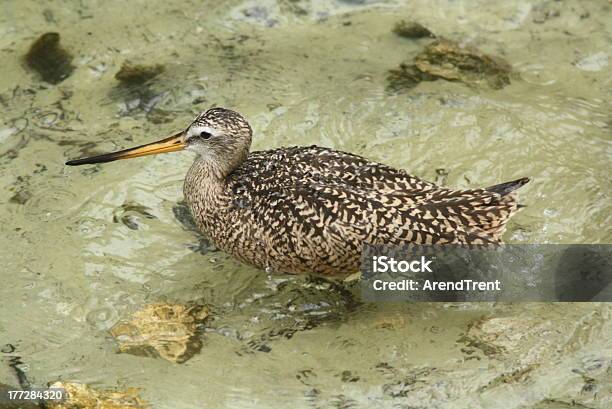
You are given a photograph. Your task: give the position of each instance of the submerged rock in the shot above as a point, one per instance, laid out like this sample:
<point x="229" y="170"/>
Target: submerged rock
<point x="411" y="29"/>
<point x="451" y="61"/>
<point x="137" y="74"/>
<point x="160" y="116"/>
<point x="130" y="213"/>
<point x="81" y="396"/>
<point x="517" y="336"/>
<point x="407" y="76"/>
<point x="448" y="60"/>
<point x="166" y="330"/>
<point x="545" y="11"/>
<point x="47" y="57"/>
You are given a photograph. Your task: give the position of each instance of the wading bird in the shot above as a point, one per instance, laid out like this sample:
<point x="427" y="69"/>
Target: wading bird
<point x="311" y="209"/>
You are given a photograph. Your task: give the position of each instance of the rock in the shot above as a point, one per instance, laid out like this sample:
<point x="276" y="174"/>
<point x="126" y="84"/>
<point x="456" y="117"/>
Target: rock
<point x="169" y="331"/>
<point x="594" y="62"/>
<point x="514" y="336"/>
<point x="545" y="11"/>
<point x="453" y="62"/>
<point x="81" y="396"/>
<point x="47" y="57"/>
<point x="406" y="76"/>
<point x="411" y="29"/>
<point x="138" y="74"/>
<point x="130" y="213"/>
<point x="448" y="60"/>
<point x="160" y="116"/>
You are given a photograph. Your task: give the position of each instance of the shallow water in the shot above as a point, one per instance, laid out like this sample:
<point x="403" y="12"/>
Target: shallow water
<point x="84" y="247"/>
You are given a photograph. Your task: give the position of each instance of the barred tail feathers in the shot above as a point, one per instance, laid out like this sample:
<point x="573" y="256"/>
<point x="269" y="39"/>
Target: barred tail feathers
<point x="481" y="213"/>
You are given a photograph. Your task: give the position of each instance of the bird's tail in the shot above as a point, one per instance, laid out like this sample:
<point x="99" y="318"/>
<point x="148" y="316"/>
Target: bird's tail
<point x="472" y="215"/>
<point x="508" y="187"/>
<point x="492" y="218"/>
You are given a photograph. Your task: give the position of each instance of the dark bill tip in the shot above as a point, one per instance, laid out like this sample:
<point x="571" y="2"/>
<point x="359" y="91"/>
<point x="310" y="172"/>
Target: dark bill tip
<point x="93" y="160"/>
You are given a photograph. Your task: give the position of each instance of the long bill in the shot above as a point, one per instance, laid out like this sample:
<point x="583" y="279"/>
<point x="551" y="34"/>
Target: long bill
<point x="171" y="144"/>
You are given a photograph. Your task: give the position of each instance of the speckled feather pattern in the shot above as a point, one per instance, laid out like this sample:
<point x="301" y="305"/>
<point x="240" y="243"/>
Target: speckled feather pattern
<point x="311" y="209"/>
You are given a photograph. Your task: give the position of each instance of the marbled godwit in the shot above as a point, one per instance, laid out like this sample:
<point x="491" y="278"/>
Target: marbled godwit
<point x="311" y="209"/>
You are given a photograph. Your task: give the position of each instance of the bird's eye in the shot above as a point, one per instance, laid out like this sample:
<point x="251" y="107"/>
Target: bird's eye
<point x="205" y="135"/>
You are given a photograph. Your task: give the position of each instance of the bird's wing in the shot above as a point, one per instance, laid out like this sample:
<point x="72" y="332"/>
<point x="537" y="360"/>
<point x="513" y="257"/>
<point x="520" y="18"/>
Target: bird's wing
<point x="336" y="218"/>
<point x="373" y="202"/>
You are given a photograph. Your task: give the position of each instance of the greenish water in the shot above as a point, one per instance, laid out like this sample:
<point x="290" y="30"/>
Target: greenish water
<point x="76" y="257"/>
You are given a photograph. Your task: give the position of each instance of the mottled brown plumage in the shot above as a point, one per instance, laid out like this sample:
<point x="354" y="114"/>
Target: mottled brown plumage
<point x="311" y="209"/>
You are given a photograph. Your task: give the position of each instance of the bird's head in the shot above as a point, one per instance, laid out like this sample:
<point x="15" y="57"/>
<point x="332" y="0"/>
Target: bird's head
<point x="219" y="136"/>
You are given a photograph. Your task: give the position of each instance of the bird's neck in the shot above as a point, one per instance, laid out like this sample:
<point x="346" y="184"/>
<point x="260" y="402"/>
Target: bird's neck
<point x="204" y="180"/>
<point x="208" y="170"/>
<point x="204" y="192"/>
